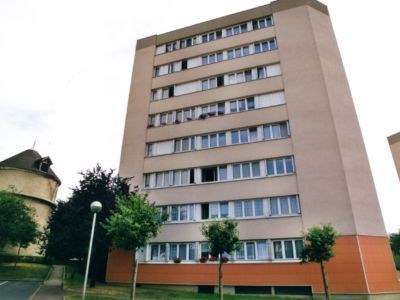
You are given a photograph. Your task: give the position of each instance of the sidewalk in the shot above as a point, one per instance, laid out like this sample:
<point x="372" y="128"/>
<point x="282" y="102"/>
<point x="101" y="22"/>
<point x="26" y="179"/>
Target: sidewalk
<point x="52" y="288"/>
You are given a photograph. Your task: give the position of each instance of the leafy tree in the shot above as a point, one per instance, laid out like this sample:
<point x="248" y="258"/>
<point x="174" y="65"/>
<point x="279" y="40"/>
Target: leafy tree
<point x="319" y="248"/>
<point x="18" y="226"/>
<point x="134" y="221"/>
<point x="68" y="231"/>
<point x="223" y="237"/>
<point x="395" y="245"/>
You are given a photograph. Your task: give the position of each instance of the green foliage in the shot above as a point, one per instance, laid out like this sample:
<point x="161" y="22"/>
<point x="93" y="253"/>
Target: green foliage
<point x="68" y="231"/>
<point x="319" y="244"/>
<point x="397" y="262"/>
<point x="134" y="221"/>
<point x="222" y="236"/>
<point x="395" y="243"/>
<point x="18" y="226"/>
<point x="23" y="271"/>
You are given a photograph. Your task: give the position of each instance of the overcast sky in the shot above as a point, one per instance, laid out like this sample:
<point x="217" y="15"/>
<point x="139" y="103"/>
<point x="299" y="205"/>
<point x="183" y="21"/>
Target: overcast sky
<point x="65" y="70"/>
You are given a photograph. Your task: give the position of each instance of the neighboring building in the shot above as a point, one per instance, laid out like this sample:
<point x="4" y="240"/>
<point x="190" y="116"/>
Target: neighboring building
<point x="394" y="142"/>
<point x="250" y="117"/>
<point x="34" y="180"/>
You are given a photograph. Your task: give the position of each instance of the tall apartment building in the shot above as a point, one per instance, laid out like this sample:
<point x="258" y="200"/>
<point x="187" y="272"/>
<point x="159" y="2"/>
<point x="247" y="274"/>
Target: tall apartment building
<point x="394" y="142"/>
<point x="250" y="117"/>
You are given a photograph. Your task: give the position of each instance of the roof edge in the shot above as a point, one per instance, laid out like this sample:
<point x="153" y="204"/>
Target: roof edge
<point x="225" y="21"/>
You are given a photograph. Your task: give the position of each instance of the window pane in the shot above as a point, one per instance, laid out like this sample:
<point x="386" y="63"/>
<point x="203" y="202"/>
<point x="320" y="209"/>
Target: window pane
<point x="270" y="167"/>
<point x="251" y="253"/>
<point x="273" y="203"/>
<point x="213" y="83"/>
<point x="166" y="178"/>
<point x="204" y="141"/>
<point x="204" y="60"/>
<point x="211" y="36"/>
<point x="242" y="105"/>
<point x="205" y="250"/>
<point x="221" y="139"/>
<point x="245" y="170"/>
<point x="212" y="58"/>
<point x="185" y="177"/>
<point x="185" y="144"/>
<point x="229" y="31"/>
<point x="238" y="209"/>
<point x="154" y="252"/>
<point x="173" y="252"/>
<point x="257" y="47"/>
<point x="224" y="209"/>
<point x="244" y="136"/>
<point x="261" y="250"/>
<point x="177" y="145"/>
<point x="289" y="165"/>
<point x="276" y="131"/>
<point x="177" y="177"/>
<point x="191" y="212"/>
<point x="162" y="252"/>
<point x="299" y="247"/>
<point x="223" y="173"/>
<point x="183" y="216"/>
<point x="243" y="27"/>
<point x="259" y="207"/>
<point x="182" y="251"/>
<point x="253" y="134"/>
<point x="236" y="171"/>
<point x="261" y="23"/>
<point x="235" y="137"/>
<point x="192" y="143"/>
<point x="214" y="210"/>
<point x="230" y="54"/>
<point x="246" y="50"/>
<point x="219" y="57"/>
<point x="250" y="103"/>
<point x="236" y="30"/>
<point x="248" y="208"/>
<point x="233" y="105"/>
<point x="267" y="132"/>
<point x="204" y="84"/>
<point x="278" y="250"/>
<point x="192" y="250"/>
<point x="289" y="249"/>
<point x="159" y="177"/>
<point x="294" y="207"/>
<point x="174" y="213"/>
<point x="284" y="205"/>
<point x="213" y="140"/>
<point x="238" y="52"/>
<point x="255" y="168"/>
<point x="284" y="130"/>
<point x="265" y="46"/>
<point x="272" y="44"/>
<point x="247" y="75"/>
<point x="240" y="252"/>
<point x="269" y="21"/>
<point x="279" y="166"/>
<point x="221" y="108"/>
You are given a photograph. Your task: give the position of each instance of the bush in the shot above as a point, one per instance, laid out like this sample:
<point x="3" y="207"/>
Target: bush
<point x="397" y="261"/>
<point x="27" y="259"/>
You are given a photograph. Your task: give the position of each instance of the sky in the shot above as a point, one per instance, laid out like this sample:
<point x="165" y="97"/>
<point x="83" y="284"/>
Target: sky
<point x="65" y="71"/>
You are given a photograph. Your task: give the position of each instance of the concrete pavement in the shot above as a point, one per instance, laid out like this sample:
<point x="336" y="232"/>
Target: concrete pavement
<point x="18" y="290"/>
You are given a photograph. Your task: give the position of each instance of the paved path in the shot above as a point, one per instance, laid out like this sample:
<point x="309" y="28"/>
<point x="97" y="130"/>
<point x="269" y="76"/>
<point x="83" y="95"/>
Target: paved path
<point x="18" y="290"/>
<point x="52" y="287"/>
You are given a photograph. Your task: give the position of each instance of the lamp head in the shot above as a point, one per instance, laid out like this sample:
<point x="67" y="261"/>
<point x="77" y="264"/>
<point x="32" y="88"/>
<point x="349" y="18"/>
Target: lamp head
<point x="96" y="206"/>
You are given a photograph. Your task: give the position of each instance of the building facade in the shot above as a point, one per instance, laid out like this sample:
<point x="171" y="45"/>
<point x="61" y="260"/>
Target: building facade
<point x="394" y="143"/>
<point x="31" y="177"/>
<point x="250" y="117"/>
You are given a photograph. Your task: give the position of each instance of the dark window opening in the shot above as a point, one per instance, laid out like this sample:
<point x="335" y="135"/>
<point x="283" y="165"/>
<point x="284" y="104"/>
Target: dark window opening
<point x="206" y="289"/>
<point x="205" y="211"/>
<point x="209" y="174"/>
<point x="171" y="91"/>
<point x="253" y="290"/>
<point x="184" y="64"/>
<point x="219" y="34"/>
<point x="293" y="290"/>
<point x="191" y="175"/>
<point x="220" y="81"/>
<point x="255" y="25"/>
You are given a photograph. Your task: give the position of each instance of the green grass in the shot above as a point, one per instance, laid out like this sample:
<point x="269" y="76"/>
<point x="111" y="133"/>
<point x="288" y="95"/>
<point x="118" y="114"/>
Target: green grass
<point x="23" y="271"/>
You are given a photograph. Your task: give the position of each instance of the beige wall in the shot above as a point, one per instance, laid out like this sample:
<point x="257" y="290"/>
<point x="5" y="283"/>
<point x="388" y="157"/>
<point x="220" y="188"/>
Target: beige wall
<point x="38" y="192"/>
<point x="394" y="142"/>
<point x="335" y="182"/>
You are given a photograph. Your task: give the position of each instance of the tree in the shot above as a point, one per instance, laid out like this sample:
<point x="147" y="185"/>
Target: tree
<point x="223" y="237"/>
<point x="319" y="248"/>
<point x="18" y="226"/>
<point x="68" y="231"/>
<point x="134" y="221"/>
<point x="395" y="245"/>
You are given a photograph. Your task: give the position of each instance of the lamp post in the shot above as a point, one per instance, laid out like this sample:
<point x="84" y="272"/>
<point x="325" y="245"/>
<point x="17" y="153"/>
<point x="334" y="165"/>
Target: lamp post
<point x="95" y="207"/>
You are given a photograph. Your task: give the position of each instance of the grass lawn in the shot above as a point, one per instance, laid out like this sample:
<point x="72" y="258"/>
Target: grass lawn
<point x="121" y="291"/>
<point x="23" y="271"/>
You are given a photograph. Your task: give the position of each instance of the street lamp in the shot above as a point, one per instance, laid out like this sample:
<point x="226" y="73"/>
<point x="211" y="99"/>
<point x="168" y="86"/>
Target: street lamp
<point x="95" y="207"/>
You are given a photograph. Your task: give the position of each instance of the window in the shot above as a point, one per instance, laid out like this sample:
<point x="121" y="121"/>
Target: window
<point x="213" y="140"/>
<point x="209" y="84"/>
<point x="147" y="180"/>
<point x="280" y="166"/>
<point x="288" y="249"/>
<point x="236" y="29"/>
<point x="249" y="208"/>
<point x="246" y="170"/>
<point x="184" y="64"/>
<point x="185" y="251"/>
<point x="275" y="131"/>
<point x="212" y="58"/>
<point x="183" y="177"/>
<point x="185" y="144"/>
<point x="239" y="77"/>
<point x="284" y="206"/>
<point x="163" y="179"/>
<point x="242" y="105"/>
<point x="157" y="252"/>
<point x="149" y="149"/>
<point x="263" y="23"/>
<point x="244" y="135"/>
<point x="181" y="213"/>
<point x="211" y="174"/>
<point x="205" y="250"/>
<point x="252" y="250"/>
<point x="216" y="210"/>
<point x="265" y="46"/>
